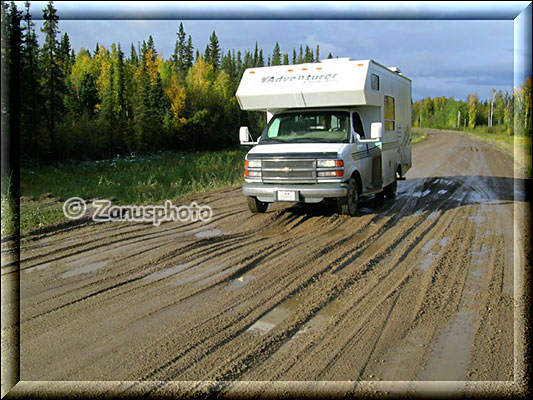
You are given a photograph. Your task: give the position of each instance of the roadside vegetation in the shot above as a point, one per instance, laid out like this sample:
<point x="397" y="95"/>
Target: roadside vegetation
<point x="418" y="135"/>
<point x="128" y="180"/>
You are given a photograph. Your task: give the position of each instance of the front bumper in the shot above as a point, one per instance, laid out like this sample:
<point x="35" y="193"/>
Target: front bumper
<point x="310" y="193"/>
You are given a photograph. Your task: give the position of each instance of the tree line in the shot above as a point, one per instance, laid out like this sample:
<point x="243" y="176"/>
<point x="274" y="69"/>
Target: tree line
<point x="501" y="113"/>
<point x="99" y="103"/>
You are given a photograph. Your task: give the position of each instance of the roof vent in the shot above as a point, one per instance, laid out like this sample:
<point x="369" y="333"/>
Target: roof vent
<point x="395" y="69"/>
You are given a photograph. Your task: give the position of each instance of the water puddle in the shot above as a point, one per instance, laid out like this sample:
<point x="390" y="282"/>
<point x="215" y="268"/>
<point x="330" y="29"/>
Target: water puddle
<point x="421" y="194"/>
<point x="268" y="321"/>
<point x="479" y="255"/>
<point x="477" y="273"/>
<point x="365" y="210"/>
<point x="417" y="213"/>
<point x="476" y="197"/>
<point x="196" y="274"/>
<point x="478" y="219"/>
<point x="239" y="282"/>
<point x="449" y="359"/>
<point x="39" y="267"/>
<point x="164" y="273"/>
<point x="433" y="215"/>
<point x="212" y="278"/>
<point x="321" y="318"/>
<point x="429" y="257"/>
<point x="443" y="191"/>
<point x="84" y="269"/>
<point x="210" y="233"/>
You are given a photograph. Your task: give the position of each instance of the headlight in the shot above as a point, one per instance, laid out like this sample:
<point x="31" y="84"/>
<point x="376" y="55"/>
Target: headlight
<point x="254" y="163"/>
<point x="329" y="164"/>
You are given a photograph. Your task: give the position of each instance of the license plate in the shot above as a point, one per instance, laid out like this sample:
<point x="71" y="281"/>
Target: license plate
<point x="286" y="195"/>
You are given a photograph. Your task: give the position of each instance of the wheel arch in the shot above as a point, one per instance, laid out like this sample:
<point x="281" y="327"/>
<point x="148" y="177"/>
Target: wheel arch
<point x="355" y="174"/>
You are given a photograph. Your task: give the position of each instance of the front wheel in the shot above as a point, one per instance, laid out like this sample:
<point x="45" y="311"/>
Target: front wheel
<point x="256" y="206"/>
<point x="348" y="205"/>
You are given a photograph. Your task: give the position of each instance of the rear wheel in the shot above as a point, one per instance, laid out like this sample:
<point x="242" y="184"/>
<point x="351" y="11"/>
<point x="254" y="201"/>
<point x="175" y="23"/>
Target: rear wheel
<point x="255" y="205"/>
<point x="348" y="205"/>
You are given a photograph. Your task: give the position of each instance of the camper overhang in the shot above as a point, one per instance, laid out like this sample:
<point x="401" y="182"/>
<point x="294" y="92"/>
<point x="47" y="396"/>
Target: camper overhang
<point x="334" y="82"/>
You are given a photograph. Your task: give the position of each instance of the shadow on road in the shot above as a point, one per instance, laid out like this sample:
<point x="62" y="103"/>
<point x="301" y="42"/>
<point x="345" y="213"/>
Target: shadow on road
<point x="433" y="194"/>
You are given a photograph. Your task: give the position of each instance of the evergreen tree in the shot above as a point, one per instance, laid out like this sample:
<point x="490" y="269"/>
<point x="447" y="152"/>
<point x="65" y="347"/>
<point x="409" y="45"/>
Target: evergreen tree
<point x="256" y="56"/>
<point x="285" y="59"/>
<point x="30" y="90"/>
<point x="260" y="59"/>
<point x="188" y="55"/>
<point x="293" y="56"/>
<point x="64" y="55"/>
<point x="207" y="54"/>
<point x="308" y="58"/>
<point x="213" y="51"/>
<point x="276" y="55"/>
<point x="52" y="79"/>
<point x="317" y="58"/>
<point x="330" y="55"/>
<point x="134" y="59"/>
<point x="178" y="58"/>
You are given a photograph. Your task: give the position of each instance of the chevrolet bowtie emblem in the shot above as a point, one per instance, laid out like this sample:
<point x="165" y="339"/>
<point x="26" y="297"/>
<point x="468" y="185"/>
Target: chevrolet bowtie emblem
<point x="287" y="169"/>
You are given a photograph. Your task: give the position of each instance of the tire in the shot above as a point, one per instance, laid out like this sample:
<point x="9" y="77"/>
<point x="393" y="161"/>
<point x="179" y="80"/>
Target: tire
<point x="256" y="206"/>
<point x="348" y="205"/>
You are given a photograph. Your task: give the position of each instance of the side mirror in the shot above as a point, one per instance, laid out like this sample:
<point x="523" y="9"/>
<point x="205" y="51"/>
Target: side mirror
<point x="376" y="130"/>
<point x="245" y="137"/>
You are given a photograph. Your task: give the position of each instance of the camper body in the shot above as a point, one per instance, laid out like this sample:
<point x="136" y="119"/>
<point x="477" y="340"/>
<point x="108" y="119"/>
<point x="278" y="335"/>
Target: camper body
<point x="336" y="130"/>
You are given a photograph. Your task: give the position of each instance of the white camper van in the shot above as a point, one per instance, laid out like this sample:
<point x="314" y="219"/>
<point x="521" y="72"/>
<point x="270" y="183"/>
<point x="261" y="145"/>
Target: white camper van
<point x="336" y="130"/>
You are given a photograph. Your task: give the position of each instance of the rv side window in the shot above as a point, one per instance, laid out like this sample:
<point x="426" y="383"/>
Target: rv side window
<point x="358" y="125"/>
<point x="389" y="113"/>
<point x="374" y="82"/>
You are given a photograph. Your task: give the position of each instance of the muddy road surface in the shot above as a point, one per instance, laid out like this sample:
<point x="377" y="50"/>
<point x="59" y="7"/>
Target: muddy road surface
<point x="416" y="288"/>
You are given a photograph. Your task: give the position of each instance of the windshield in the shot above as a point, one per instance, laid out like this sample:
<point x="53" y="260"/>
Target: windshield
<point x="308" y="127"/>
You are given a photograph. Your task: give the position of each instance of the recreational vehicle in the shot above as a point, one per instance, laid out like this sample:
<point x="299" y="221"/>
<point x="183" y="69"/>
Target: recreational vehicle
<point x="336" y="130"/>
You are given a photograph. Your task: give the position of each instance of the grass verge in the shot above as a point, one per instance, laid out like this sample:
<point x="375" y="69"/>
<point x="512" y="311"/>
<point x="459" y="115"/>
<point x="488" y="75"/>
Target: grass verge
<point x="139" y="180"/>
<point x="418" y="135"/>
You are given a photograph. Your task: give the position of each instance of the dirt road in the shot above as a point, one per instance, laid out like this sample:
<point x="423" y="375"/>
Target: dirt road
<point x="420" y="288"/>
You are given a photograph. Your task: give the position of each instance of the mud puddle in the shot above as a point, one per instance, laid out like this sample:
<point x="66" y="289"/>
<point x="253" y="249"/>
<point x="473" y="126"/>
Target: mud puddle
<point x="92" y="267"/>
<point x="239" y="282"/>
<point x="451" y="353"/>
<point x="210" y="233"/>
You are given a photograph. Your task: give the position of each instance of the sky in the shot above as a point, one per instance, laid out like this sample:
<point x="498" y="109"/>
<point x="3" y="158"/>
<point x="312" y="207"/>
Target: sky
<point x="442" y="57"/>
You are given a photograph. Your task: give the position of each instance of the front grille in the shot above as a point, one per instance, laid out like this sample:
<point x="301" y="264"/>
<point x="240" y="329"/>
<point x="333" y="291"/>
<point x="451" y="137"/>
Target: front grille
<point x="287" y="170"/>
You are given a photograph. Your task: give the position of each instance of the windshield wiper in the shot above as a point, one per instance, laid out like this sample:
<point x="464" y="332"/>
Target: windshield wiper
<point x="316" y="140"/>
<point x="274" y="141"/>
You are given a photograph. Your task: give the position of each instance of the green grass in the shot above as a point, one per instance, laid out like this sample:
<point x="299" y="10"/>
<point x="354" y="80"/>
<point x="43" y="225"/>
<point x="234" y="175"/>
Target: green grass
<point x="136" y="180"/>
<point x="149" y="179"/>
<point x="419" y="135"/>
